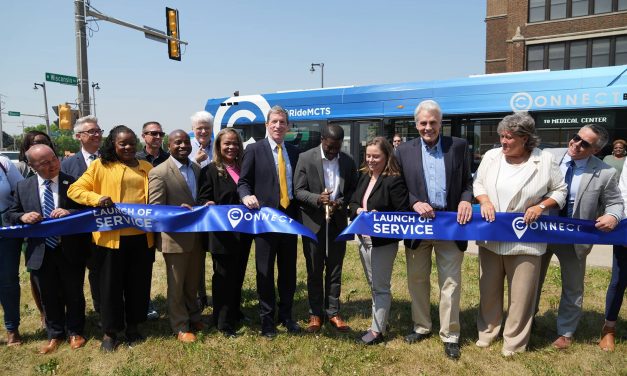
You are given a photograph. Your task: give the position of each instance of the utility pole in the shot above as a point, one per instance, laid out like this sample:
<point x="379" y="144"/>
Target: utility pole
<point x="43" y="86"/>
<point x="81" y="58"/>
<point x="1" y="132"/>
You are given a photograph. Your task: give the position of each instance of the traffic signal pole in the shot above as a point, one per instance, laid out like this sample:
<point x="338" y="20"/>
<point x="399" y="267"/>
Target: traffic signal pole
<point x="81" y="58"/>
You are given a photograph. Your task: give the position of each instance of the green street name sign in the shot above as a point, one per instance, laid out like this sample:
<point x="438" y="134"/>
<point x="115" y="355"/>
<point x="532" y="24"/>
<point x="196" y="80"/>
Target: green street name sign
<point x="61" y="79"/>
<point x="14" y="113"/>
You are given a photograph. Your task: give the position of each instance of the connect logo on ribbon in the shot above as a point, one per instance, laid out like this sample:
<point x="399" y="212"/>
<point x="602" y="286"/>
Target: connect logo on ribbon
<point x="235" y="215"/>
<point x="519" y="226"/>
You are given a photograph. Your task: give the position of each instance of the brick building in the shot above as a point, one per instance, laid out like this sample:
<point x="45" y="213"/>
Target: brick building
<point x="555" y="34"/>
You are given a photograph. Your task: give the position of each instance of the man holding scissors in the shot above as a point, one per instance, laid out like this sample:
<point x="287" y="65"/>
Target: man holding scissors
<point x="324" y="181"/>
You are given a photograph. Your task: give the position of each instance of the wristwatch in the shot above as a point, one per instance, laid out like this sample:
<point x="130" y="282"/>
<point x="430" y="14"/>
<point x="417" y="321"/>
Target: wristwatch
<point x="542" y="206"/>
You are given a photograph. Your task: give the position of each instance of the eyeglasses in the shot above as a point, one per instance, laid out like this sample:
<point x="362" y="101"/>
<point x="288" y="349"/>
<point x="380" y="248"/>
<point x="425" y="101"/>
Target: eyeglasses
<point x="154" y="133"/>
<point x="584" y="144"/>
<point x="93" y="132"/>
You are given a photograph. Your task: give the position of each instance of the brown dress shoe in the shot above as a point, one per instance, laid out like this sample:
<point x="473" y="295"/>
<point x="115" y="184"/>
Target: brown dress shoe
<point x="315" y="322"/>
<point x="339" y="324"/>
<point x="186" y="337"/>
<point x="76" y="342"/>
<point x="608" y="337"/>
<point x="51" y="346"/>
<point x="562" y="342"/>
<point x="14" y="338"/>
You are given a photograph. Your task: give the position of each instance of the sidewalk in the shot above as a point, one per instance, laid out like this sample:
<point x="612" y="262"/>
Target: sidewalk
<point x="601" y="255"/>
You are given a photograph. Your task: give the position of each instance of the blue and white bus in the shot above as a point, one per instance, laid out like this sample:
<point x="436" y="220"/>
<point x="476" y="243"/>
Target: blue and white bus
<point x="560" y="102"/>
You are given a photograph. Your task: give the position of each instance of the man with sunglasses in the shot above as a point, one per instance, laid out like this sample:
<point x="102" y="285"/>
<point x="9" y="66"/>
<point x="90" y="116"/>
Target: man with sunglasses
<point x="88" y="133"/>
<point x="593" y="194"/>
<point x="153" y="152"/>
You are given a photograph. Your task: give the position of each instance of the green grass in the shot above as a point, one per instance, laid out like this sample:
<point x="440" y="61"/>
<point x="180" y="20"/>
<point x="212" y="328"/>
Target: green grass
<point x="329" y="353"/>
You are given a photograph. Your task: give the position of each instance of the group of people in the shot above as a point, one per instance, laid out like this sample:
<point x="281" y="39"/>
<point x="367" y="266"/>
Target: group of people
<point x="322" y="188"/>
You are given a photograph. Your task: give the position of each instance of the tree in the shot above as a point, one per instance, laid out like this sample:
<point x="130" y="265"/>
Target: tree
<point x="63" y="140"/>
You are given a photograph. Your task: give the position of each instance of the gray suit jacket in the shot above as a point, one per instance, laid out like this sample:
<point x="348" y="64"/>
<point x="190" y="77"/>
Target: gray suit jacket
<point x="166" y="186"/>
<point x="598" y="193"/>
<point x="309" y="184"/>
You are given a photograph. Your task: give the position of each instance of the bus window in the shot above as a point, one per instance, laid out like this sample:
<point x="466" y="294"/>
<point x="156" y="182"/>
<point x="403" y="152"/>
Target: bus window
<point x="304" y="134"/>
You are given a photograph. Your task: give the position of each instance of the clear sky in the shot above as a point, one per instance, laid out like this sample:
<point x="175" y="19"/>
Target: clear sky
<point x="248" y="45"/>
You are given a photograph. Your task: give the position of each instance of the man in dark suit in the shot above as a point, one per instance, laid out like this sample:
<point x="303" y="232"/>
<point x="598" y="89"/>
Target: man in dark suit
<point x="57" y="263"/>
<point x="89" y="134"/>
<point x="324" y="181"/>
<point x="437" y="172"/>
<point x="266" y="180"/>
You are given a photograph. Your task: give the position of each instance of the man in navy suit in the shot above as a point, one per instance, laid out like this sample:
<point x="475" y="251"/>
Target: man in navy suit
<point x="57" y="263"/>
<point x="266" y="180"/>
<point x="436" y="170"/>
<point x="89" y="134"/>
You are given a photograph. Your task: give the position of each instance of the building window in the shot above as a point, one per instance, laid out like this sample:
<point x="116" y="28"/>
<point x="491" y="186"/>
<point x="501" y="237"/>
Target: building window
<point x="542" y="10"/>
<point x="600" y="52"/>
<point x="578" y="54"/>
<point x="535" y="58"/>
<point x="580" y="8"/>
<point x="602" y="6"/>
<point x="587" y="53"/>
<point x="557" y="56"/>
<point x="621" y="51"/>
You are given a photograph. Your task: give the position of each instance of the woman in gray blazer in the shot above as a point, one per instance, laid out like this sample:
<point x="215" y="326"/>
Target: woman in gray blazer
<point x="518" y="177"/>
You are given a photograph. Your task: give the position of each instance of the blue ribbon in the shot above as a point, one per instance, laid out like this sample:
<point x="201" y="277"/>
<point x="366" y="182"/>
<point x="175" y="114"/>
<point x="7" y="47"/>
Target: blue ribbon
<point x="164" y="218"/>
<point x="507" y="227"/>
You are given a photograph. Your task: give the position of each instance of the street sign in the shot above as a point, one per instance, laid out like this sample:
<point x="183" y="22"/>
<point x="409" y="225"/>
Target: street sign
<point x="14" y="113"/>
<point x="61" y="79"/>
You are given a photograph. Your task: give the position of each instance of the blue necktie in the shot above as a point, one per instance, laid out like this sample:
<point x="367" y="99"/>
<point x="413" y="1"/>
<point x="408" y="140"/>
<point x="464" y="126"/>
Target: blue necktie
<point x="567" y="210"/>
<point x="51" y="241"/>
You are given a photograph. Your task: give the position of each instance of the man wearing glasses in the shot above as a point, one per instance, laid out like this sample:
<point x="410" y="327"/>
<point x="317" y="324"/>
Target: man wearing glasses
<point x="592" y="191"/>
<point x="152" y="133"/>
<point x="89" y="134"/>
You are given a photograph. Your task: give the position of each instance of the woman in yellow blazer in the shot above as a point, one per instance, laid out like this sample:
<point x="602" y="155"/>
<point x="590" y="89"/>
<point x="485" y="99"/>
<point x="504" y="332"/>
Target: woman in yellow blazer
<point x="124" y="256"/>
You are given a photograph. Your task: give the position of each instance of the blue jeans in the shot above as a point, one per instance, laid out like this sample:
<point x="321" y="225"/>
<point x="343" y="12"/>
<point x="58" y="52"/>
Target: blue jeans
<point x="618" y="284"/>
<point x="10" y="250"/>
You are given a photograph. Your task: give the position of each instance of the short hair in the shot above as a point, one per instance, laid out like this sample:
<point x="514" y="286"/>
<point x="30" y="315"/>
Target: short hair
<point x="78" y="126"/>
<point x="35" y="147"/>
<point x="28" y="141"/>
<point x="601" y="132"/>
<point x="217" y="155"/>
<point x="619" y="141"/>
<point x="397" y="135"/>
<point x="521" y="124"/>
<point x="333" y="132"/>
<point x="429" y="106"/>
<point x="276" y="109"/>
<point x="150" y="122"/>
<point x="107" y="152"/>
<point x="201" y="117"/>
<point x="391" y="166"/>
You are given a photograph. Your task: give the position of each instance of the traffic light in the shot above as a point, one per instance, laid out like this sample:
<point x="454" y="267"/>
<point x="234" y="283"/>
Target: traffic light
<point x="65" y="116"/>
<point x="172" y="26"/>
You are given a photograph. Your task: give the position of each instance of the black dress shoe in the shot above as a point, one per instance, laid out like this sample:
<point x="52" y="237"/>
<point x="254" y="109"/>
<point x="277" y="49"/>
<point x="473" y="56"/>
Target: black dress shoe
<point x="134" y="338"/>
<point x="269" y="333"/>
<point x="451" y="349"/>
<point x="291" y="326"/>
<point x="228" y="332"/>
<point x="414" y="337"/>
<point x="109" y="343"/>
<point x="370" y="338"/>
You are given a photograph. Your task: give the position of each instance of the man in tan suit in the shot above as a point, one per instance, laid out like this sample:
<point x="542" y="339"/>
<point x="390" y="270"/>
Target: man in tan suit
<point x="173" y="182"/>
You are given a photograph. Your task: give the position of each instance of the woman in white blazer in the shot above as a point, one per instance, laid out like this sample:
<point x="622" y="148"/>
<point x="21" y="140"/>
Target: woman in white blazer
<point x="518" y="177"/>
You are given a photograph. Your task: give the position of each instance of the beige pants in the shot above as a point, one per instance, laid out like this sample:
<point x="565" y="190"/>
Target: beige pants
<point x="449" y="260"/>
<point x="183" y="272"/>
<point x="522" y="273"/>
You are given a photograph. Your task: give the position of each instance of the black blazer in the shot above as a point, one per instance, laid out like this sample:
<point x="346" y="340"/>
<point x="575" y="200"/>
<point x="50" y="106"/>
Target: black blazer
<point x="223" y="191"/>
<point x="259" y="176"/>
<point x="458" y="175"/>
<point x="75" y="165"/>
<point x="74" y="247"/>
<point x="389" y="194"/>
<point x="309" y="184"/>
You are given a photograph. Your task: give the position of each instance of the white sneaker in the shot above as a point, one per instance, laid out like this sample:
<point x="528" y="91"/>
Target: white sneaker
<point x="482" y="344"/>
<point x="507" y="353"/>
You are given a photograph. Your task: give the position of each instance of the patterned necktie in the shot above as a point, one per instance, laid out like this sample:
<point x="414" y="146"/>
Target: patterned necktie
<point x="48" y="207"/>
<point x="567" y="210"/>
<point x="285" y="198"/>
